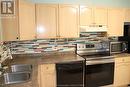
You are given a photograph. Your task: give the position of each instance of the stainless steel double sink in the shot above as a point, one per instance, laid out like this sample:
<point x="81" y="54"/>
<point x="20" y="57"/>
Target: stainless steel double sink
<point x="19" y="73"/>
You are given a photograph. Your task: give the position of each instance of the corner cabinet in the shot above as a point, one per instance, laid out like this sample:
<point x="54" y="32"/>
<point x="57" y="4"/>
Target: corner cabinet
<point x="22" y="25"/>
<point x="93" y="16"/>
<point x="57" y="21"/>
<point x="116" y="18"/>
<point x="46" y="75"/>
<point x="122" y="72"/>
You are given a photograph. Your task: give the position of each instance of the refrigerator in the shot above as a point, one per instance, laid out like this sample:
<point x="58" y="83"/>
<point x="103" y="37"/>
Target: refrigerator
<point x="126" y="35"/>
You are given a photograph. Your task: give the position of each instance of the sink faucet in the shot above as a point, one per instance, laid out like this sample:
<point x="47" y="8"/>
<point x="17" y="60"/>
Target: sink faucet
<point x="5" y="53"/>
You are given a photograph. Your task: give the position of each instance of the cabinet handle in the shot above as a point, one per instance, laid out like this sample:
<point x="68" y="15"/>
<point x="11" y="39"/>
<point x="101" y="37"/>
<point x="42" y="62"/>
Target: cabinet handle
<point x="94" y="23"/>
<point x="17" y="38"/>
<point x="58" y="36"/>
<point x="47" y="67"/>
<point x="35" y="37"/>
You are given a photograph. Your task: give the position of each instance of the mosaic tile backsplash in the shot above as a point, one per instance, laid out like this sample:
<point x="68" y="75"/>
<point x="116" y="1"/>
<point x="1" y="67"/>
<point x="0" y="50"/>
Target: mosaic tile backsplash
<point x="48" y="45"/>
<point x="39" y="46"/>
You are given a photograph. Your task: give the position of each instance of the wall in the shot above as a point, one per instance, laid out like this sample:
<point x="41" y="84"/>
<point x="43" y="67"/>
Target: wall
<point x="107" y="3"/>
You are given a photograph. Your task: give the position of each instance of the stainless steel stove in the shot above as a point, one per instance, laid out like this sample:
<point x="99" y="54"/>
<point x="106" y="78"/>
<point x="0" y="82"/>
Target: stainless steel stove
<point x="99" y="63"/>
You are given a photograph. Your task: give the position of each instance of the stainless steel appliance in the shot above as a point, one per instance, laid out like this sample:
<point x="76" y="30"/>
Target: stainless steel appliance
<point x="70" y="74"/>
<point x="99" y="69"/>
<point x="93" y="48"/>
<point x="118" y="47"/>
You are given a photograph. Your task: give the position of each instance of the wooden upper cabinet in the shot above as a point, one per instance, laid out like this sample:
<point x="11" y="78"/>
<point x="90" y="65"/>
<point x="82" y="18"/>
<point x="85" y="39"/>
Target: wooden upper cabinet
<point x="10" y="30"/>
<point x="116" y="22"/>
<point x="127" y="15"/>
<point x="27" y="28"/>
<point x="57" y="21"/>
<point x="93" y="16"/>
<point x="69" y="21"/>
<point x="22" y="25"/>
<point x="46" y="18"/>
<point x="9" y="26"/>
<point x="100" y="16"/>
<point x="86" y="15"/>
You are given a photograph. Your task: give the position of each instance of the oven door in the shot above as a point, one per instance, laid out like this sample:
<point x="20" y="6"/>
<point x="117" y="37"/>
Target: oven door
<point x="70" y="74"/>
<point x="99" y="73"/>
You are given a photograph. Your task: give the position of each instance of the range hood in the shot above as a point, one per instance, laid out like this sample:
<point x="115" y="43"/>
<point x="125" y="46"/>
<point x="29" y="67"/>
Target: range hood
<point x="94" y="28"/>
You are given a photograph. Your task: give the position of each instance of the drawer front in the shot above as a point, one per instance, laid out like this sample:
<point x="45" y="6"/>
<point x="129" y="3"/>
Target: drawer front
<point x="123" y="59"/>
<point x="119" y="60"/>
<point x="48" y="67"/>
<point x="127" y="59"/>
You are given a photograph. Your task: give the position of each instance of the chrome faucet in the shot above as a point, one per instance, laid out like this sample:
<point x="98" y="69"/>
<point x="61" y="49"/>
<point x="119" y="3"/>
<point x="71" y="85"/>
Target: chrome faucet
<point x="5" y="53"/>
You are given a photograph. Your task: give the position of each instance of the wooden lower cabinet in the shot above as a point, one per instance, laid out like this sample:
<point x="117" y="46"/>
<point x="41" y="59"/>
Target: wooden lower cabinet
<point x="47" y="75"/>
<point x="122" y="72"/>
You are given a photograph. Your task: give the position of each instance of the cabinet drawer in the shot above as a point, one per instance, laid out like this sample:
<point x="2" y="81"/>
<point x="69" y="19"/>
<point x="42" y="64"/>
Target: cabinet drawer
<point x="126" y="59"/>
<point x="119" y="60"/>
<point x="123" y="59"/>
<point x="48" y="68"/>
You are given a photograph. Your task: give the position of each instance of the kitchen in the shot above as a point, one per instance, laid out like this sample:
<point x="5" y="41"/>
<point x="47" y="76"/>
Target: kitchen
<point x="64" y="44"/>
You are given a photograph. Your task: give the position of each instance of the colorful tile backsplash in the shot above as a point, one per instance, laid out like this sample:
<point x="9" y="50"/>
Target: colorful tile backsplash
<point x="39" y="46"/>
<point x="48" y="45"/>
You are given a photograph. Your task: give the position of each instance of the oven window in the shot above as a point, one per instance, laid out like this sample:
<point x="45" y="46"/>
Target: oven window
<point x="70" y="74"/>
<point x="99" y="74"/>
<point x="116" y="47"/>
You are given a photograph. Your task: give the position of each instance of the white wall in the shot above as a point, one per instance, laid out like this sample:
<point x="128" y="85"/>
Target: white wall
<point x="107" y="3"/>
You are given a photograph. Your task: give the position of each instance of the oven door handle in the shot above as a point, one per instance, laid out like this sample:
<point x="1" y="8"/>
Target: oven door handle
<point x="103" y="61"/>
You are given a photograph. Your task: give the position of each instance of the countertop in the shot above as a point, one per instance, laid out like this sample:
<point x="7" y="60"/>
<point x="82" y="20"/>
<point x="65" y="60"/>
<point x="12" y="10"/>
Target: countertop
<point x="38" y="59"/>
<point x="121" y="55"/>
<point x="45" y="58"/>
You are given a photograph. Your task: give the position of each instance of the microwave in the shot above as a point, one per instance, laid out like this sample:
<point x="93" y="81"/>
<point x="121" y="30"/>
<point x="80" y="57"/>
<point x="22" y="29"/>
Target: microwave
<point x="118" y="47"/>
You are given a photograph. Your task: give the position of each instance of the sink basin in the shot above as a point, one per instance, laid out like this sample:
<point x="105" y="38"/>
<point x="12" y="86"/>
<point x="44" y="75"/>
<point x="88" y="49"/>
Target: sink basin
<point x="16" y="74"/>
<point x="21" y="68"/>
<point x="16" y="77"/>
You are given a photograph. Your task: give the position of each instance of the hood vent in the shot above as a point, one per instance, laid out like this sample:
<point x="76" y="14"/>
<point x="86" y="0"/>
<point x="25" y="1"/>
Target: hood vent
<point x="94" y="28"/>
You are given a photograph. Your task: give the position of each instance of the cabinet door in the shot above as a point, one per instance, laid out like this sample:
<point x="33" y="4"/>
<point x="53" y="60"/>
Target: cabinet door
<point x="69" y="21"/>
<point x="27" y="28"/>
<point x="46" y="18"/>
<point x="100" y="16"/>
<point x="115" y="22"/>
<point x="122" y="74"/>
<point x="86" y="16"/>
<point x="127" y="15"/>
<point x="47" y="75"/>
<point x="9" y="26"/>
